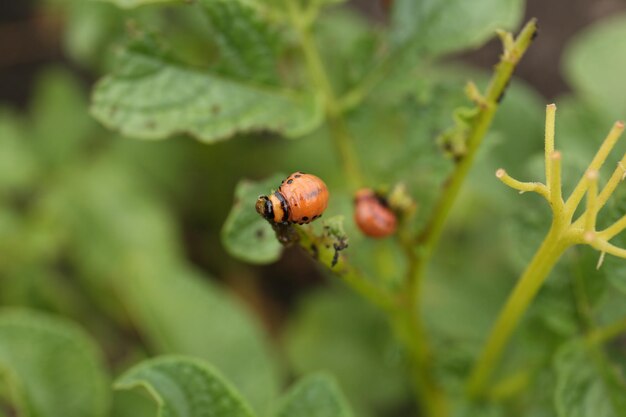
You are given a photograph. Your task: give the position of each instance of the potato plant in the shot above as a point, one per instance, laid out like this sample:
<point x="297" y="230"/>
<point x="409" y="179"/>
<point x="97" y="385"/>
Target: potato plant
<point x="131" y="264"/>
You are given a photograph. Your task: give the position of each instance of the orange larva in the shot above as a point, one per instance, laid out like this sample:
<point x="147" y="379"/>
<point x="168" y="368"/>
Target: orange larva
<point x="301" y="198"/>
<point x="372" y="215"/>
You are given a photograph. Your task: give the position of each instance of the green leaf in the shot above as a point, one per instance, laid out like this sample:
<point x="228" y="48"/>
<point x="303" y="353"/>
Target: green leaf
<point x="18" y="166"/>
<point x="445" y="26"/>
<point x="246" y="235"/>
<point x="340" y="333"/>
<point x="314" y="396"/>
<point x="248" y="46"/>
<point x="185" y="387"/>
<point x="52" y="366"/>
<point x="595" y="62"/>
<point x="132" y="404"/>
<point x="616" y="273"/>
<point x="149" y="96"/>
<point x="180" y="311"/>
<point x="88" y="204"/>
<point x="586" y="386"/>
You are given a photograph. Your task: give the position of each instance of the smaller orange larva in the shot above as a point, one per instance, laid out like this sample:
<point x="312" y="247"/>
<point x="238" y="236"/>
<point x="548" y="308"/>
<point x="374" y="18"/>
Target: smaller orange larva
<point x="372" y="214"/>
<point x="301" y="198"/>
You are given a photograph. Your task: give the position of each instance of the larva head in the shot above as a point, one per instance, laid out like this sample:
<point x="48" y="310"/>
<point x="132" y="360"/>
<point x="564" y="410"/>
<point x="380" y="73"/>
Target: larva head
<point x="264" y="207"/>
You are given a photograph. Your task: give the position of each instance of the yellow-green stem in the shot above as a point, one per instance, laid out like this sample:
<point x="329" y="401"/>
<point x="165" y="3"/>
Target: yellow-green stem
<point x="499" y="82"/>
<point x="549" y="140"/>
<point x="519" y="300"/>
<point x="429" y="238"/>
<point x="595" y="165"/>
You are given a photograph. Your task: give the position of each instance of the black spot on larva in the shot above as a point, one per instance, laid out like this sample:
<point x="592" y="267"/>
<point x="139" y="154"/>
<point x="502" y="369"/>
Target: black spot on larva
<point x="314" y="251"/>
<point x="216" y="109"/>
<point x="259" y="233"/>
<point x="283" y="205"/>
<point x="297" y="175"/>
<point x="305" y="218"/>
<point x="535" y="34"/>
<point x="289" y="181"/>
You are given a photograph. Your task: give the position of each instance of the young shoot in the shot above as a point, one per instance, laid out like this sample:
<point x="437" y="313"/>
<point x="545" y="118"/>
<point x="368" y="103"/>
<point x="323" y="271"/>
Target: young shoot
<point x="564" y="232"/>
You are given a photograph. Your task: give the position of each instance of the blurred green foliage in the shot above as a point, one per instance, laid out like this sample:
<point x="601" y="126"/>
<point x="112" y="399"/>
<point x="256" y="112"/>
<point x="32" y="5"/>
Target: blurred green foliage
<point x="107" y="232"/>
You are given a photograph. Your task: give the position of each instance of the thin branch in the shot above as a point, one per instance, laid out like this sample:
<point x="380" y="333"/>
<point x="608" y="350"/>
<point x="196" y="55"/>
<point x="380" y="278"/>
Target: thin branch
<point x="522" y="187"/>
<point x="595" y="165"/>
<point x="618" y="176"/>
<point x="549" y="140"/>
<point x="556" y="199"/>
<point x="614" y="229"/>
<point x="602" y="245"/>
<point x="501" y="78"/>
<point x="592" y="201"/>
